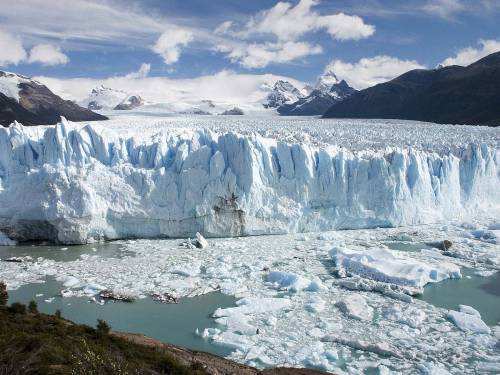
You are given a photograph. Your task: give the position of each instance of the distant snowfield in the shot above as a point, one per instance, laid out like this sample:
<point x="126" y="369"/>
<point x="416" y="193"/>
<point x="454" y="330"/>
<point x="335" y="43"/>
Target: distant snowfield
<point x="140" y="175"/>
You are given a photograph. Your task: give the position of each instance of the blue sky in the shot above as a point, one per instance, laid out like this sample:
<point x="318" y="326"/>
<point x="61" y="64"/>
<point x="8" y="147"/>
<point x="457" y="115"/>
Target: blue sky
<point x="365" y="41"/>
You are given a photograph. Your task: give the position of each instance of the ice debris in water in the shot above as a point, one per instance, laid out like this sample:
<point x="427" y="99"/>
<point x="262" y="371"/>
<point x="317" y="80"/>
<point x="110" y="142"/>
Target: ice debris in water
<point x="384" y="265"/>
<point x="468" y="319"/>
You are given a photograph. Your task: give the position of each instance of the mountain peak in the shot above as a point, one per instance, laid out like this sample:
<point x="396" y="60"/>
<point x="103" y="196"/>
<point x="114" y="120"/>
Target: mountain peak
<point x="327" y="80"/>
<point x="282" y="92"/>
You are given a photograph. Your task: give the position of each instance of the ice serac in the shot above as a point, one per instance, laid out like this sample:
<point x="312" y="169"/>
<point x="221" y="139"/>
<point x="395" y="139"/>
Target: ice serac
<point x="78" y="184"/>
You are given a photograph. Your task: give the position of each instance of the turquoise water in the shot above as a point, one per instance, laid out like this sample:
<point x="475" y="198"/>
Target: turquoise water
<point x="65" y="254"/>
<point x="482" y="293"/>
<point x="170" y="323"/>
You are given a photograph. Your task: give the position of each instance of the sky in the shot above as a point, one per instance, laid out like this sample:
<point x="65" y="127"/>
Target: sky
<point x="362" y="41"/>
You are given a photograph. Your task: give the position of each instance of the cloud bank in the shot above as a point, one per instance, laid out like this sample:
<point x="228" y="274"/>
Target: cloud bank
<point x="370" y="71"/>
<point x="467" y="56"/>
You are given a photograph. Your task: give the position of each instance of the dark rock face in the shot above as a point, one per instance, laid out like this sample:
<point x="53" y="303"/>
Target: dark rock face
<point x="233" y="112"/>
<point x="453" y="95"/>
<point x="38" y="105"/>
<point x="318" y="101"/>
<point x="133" y="101"/>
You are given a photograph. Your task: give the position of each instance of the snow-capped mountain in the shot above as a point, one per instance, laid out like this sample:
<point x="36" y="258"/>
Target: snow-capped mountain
<point x="106" y="98"/>
<point x="27" y="101"/>
<point x="326" y="80"/>
<point x="327" y="91"/>
<point x="130" y="102"/>
<point x="283" y="92"/>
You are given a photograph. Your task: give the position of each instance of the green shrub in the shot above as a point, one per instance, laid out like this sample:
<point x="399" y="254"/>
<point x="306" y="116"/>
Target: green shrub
<point x="103" y="327"/>
<point x="17" y="308"/>
<point x="4" y="296"/>
<point x="32" y="307"/>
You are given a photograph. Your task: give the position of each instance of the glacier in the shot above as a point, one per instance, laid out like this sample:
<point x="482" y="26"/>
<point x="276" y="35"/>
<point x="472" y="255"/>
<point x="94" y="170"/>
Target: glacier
<point x="76" y="184"/>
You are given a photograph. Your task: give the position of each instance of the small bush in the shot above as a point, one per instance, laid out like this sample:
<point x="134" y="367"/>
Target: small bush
<point x="4" y="296"/>
<point x="32" y="307"/>
<point x="103" y="327"/>
<point x="17" y="308"/>
<point x="58" y="314"/>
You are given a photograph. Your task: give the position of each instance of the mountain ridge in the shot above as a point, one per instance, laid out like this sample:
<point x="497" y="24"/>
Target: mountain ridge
<point x="452" y="94"/>
<point x="31" y="103"/>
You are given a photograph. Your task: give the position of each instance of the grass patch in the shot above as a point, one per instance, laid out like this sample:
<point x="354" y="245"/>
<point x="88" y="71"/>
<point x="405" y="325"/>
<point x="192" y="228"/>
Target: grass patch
<point x="35" y="343"/>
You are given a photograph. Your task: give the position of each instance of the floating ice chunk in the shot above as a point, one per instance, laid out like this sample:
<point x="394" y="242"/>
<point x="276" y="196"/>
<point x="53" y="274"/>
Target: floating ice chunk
<point x="316" y="356"/>
<point x="208" y="332"/>
<point x="355" y="306"/>
<point x="485" y="235"/>
<point x="247" y="306"/>
<point x="6" y="241"/>
<point x="432" y="369"/>
<point x="316" y="306"/>
<point x="188" y="269"/>
<point x="232" y="340"/>
<point x="380" y="348"/>
<point x="386" y="266"/>
<point x="469" y="310"/>
<point x="490" y="367"/>
<point x="201" y="242"/>
<point x="468" y="322"/>
<point x="293" y="282"/>
<point x="411" y="316"/>
<point x="237" y="323"/>
<point x="257" y="354"/>
<point x="69" y="281"/>
<point x="485" y="273"/>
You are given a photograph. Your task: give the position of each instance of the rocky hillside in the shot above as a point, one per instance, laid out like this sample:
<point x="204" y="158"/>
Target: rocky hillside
<point x="451" y="95"/>
<point x="31" y="103"/>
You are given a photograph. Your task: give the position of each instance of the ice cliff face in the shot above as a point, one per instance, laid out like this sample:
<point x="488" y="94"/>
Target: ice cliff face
<point x="77" y="185"/>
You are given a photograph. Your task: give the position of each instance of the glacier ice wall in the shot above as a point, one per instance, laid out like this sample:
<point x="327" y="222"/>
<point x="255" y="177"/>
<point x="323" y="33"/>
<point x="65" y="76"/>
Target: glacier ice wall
<point x="77" y="185"/>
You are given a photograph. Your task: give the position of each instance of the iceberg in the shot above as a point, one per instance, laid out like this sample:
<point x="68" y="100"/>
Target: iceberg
<point x="78" y="184"/>
<point x="386" y="266"/>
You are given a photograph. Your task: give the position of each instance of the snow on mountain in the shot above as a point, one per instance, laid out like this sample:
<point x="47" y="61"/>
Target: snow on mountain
<point x="9" y="84"/>
<point x="282" y="92"/>
<point x="224" y="90"/>
<point x="179" y="181"/>
<point x="103" y="97"/>
<point x="328" y="91"/>
<point x="130" y="102"/>
<point x="326" y="81"/>
<point x="27" y="100"/>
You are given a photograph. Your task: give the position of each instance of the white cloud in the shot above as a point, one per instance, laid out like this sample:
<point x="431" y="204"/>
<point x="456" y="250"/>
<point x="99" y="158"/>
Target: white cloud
<point x="223" y="28"/>
<point x="170" y="42"/>
<point x="80" y="21"/>
<point x="11" y="49"/>
<point x="370" y="71"/>
<point x="141" y="73"/>
<point x="260" y="55"/>
<point x="288" y="22"/>
<point x="274" y="35"/>
<point x="444" y="8"/>
<point x="469" y="55"/>
<point x="47" y="54"/>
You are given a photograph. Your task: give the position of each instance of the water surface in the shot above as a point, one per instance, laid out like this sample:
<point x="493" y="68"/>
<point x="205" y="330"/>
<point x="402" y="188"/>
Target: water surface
<point x="170" y="323"/>
<point x="482" y="293"/>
